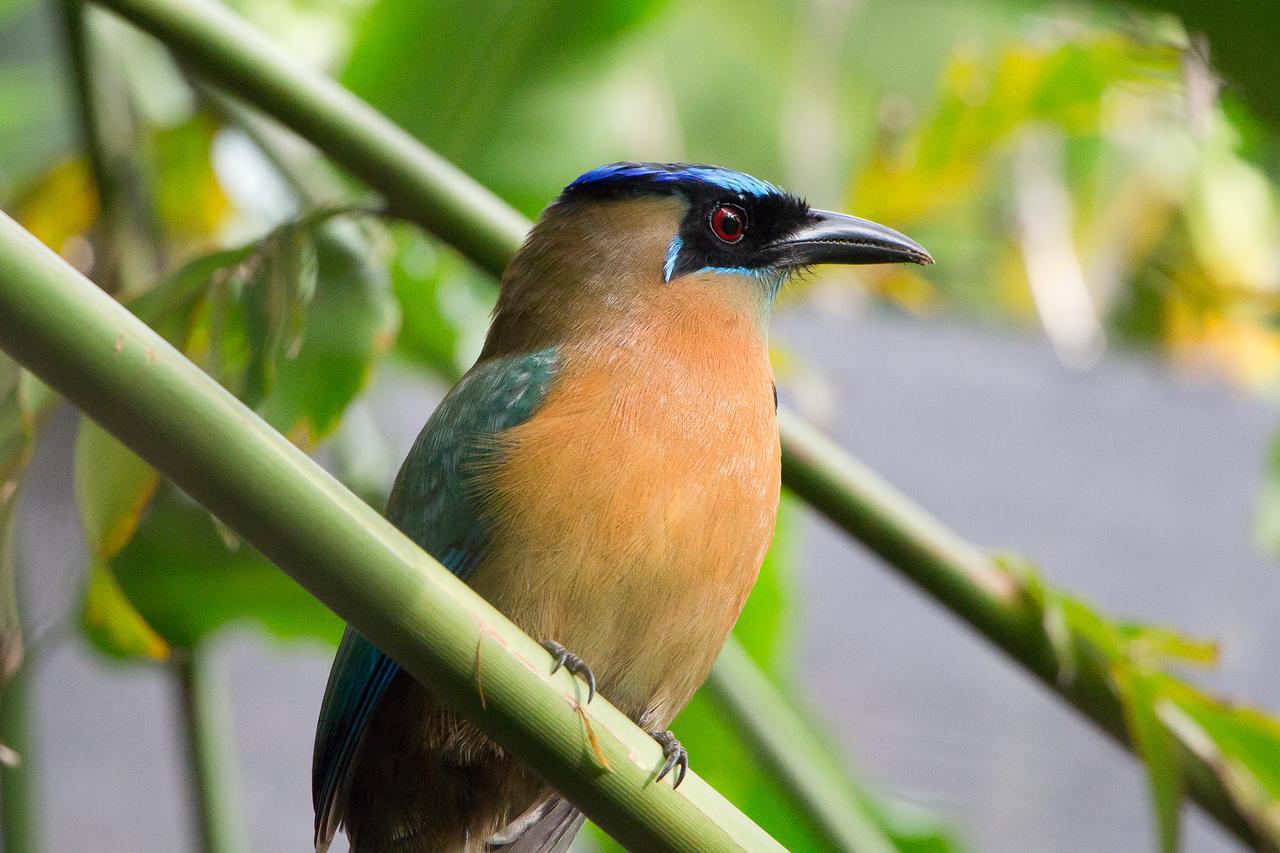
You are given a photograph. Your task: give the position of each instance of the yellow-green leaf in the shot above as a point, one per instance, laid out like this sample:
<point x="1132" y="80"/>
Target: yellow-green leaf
<point x="111" y="622"/>
<point x="1138" y="692"/>
<point x="112" y="487"/>
<point x="187" y="581"/>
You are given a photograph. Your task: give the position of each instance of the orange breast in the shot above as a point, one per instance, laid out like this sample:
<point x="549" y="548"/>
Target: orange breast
<point x="634" y="509"/>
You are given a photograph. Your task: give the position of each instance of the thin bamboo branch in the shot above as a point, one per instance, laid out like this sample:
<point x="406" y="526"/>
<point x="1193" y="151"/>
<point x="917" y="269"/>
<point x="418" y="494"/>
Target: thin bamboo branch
<point x="125" y="255"/>
<point x="785" y="743"/>
<point x="206" y="728"/>
<point x="973" y="588"/>
<point x="75" y="31"/>
<point x="421" y="187"/>
<point x="102" y="358"/>
<point x="18" y="801"/>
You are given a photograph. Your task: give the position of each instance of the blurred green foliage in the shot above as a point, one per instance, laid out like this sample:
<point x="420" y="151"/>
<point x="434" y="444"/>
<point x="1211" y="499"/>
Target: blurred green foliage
<point x="1155" y="224"/>
<point x="1164" y="712"/>
<point x="1243" y="50"/>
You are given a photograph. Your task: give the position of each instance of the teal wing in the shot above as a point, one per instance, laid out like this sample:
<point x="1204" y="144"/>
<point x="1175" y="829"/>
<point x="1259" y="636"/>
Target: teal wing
<point x="432" y="503"/>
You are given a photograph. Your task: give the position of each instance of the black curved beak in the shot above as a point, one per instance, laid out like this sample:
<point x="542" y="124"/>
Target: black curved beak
<point x="836" y="238"/>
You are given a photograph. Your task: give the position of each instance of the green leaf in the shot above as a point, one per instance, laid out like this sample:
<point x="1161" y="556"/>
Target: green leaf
<point x="9" y="8"/>
<point x="1154" y="644"/>
<point x="350" y="322"/>
<point x="1240" y="744"/>
<point x="36" y="124"/>
<point x="444" y="303"/>
<point x="112" y="486"/>
<point x="409" y="53"/>
<point x="113" y="624"/>
<point x="1138" y="692"/>
<point x="189" y="200"/>
<point x="292" y="323"/>
<point x="985" y="100"/>
<point x="1240" y="35"/>
<point x="187" y="580"/>
<point x="169" y="307"/>
<point x="35" y="399"/>
<point x="13" y="434"/>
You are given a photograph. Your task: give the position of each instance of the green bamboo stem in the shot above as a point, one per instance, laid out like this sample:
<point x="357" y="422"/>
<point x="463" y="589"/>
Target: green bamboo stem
<point x="421" y="187"/>
<point x="785" y="742"/>
<point x="125" y="255"/>
<point x="206" y="729"/>
<point x="75" y="31"/>
<point x="18" y="800"/>
<point x="104" y="360"/>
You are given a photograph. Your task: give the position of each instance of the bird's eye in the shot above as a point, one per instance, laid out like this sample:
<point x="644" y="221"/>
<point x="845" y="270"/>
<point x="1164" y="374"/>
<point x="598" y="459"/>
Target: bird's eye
<point x="728" y="222"/>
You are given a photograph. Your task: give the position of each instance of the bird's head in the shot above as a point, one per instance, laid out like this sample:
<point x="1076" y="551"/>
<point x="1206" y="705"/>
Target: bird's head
<point x="631" y="231"/>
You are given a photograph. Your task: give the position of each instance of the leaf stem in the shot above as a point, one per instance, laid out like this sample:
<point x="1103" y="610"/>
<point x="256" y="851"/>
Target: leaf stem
<point x="210" y="742"/>
<point x="19" y="821"/>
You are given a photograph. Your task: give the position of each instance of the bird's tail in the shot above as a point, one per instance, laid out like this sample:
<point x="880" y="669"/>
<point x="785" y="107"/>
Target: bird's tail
<point x="548" y="828"/>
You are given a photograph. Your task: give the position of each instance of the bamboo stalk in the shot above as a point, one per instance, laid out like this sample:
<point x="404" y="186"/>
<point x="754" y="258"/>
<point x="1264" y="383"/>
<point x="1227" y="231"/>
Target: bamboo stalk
<point x="126" y="255"/>
<point x="103" y="359"/>
<point x="206" y="728"/>
<point x="19" y="828"/>
<point x="972" y="587"/>
<point x="785" y="743"/>
<point x="420" y="186"/>
<point x="76" y="37"/>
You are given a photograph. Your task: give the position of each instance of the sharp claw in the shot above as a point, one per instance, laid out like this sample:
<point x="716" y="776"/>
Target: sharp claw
<point x="567" y="659"/>
<point x="667" y="765"/>
<point x="558" y="653"/>
<point x="677" y="757"/>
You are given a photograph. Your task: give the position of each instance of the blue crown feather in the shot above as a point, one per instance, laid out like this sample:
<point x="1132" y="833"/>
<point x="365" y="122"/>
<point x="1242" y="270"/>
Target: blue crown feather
<point x="672" y="173"/>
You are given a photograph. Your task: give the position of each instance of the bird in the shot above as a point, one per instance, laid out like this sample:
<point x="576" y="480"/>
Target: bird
<point x="606" y="474"/>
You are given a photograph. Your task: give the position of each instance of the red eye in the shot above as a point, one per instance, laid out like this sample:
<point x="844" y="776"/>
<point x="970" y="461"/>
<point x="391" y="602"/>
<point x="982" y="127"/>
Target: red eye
<point x="729" y="222"/>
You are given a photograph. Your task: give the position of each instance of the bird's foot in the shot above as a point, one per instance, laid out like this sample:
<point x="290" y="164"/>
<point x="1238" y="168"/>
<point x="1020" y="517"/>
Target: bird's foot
<point x="676" y="755"/>
<point x="573" y="663"/>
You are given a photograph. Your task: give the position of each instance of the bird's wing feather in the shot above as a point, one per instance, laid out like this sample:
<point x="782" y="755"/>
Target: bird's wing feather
<point x="432" y="502"/>
<point x="552" y="829"/>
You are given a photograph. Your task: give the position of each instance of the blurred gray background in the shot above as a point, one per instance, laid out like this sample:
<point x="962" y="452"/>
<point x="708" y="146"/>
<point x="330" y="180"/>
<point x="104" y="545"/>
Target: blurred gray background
<point x="1125" y="483"/>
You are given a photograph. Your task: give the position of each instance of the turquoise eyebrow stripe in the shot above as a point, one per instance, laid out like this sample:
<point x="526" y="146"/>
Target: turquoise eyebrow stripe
<point x="673" y="254"/>
<point x="670" y="173"/>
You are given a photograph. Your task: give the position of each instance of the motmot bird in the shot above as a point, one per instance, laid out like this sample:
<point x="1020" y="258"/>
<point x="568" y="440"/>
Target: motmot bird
<point x="606" y="475"/>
